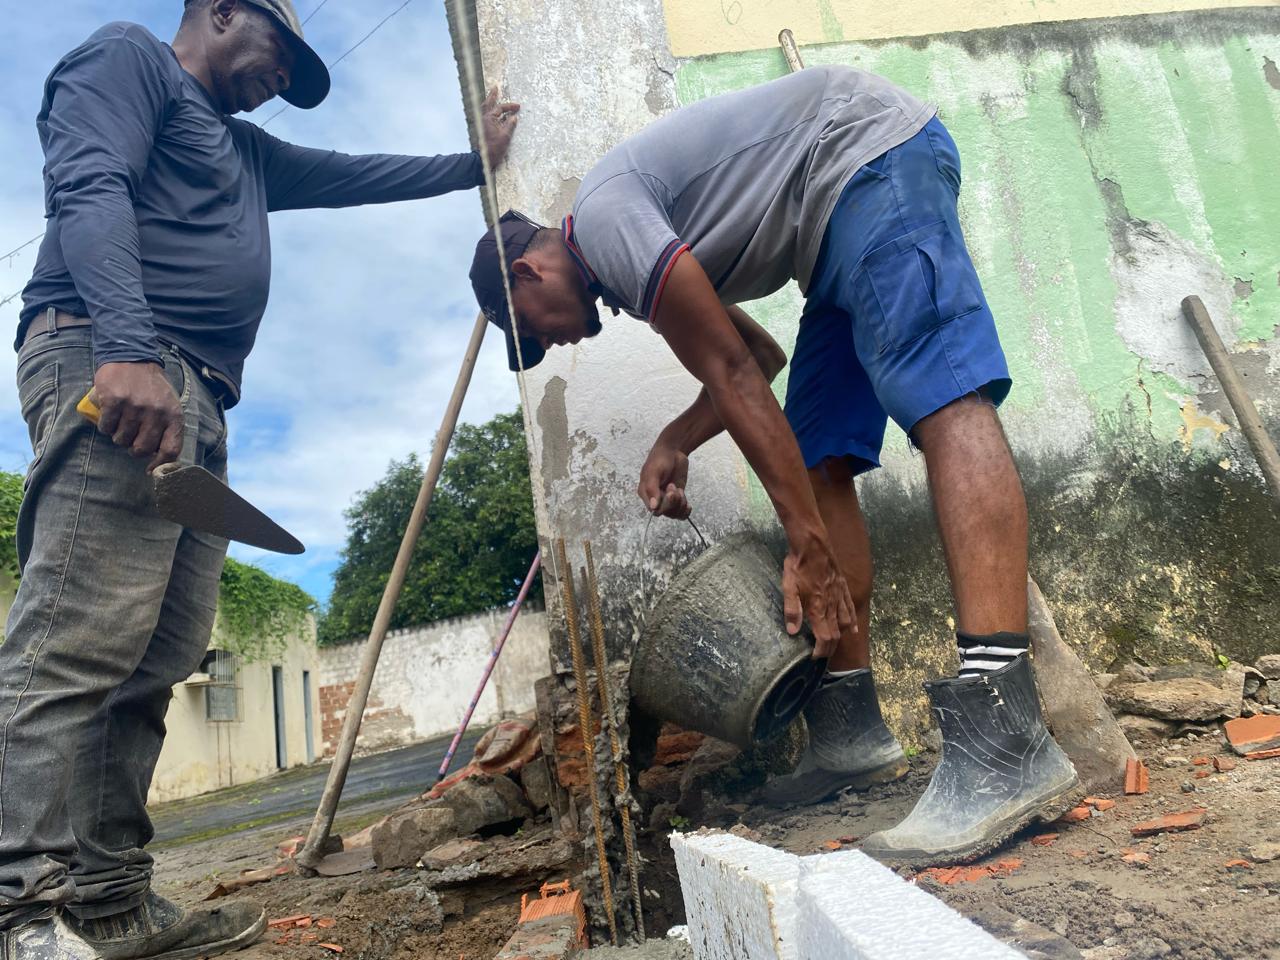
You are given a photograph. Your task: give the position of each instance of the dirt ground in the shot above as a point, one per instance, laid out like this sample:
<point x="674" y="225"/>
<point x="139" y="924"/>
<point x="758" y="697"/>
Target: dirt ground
<point x="1186" y="902"/>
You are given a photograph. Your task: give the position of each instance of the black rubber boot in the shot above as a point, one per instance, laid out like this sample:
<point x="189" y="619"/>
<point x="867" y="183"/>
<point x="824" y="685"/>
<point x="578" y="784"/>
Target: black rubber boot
<point x="849" y="745"/>
<point x="1000" y="770"/>
<point x="161" y="930"/>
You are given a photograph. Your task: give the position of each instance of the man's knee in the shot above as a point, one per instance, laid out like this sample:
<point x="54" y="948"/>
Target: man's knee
<point x="976" y="406"/>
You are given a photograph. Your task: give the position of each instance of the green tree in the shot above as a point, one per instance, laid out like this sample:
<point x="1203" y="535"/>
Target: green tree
<point x="474" y="551"/>
<point x="10" y="500"/>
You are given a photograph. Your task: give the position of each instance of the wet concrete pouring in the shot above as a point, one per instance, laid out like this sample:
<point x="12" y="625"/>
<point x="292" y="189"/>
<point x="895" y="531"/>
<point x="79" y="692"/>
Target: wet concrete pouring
<point x="1092" y="887"/>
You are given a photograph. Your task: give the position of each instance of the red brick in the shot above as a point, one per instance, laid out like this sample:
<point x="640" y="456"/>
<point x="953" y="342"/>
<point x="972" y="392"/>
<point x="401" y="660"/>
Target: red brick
<point x="1252" y="735"/>
<point x="1135" y="777"/>
<point x="1135" y="857"/>
<point x="1201" y="774"/>
<point x="1200" y="761"/>
<point x="1171" y="822"/>
<point x="1239" y="865"/>
<point x="1223" y="764"/>
<point x="1076" y="814"/>
<point x="1044" y="839"/>
<point x="1099" y="804"/>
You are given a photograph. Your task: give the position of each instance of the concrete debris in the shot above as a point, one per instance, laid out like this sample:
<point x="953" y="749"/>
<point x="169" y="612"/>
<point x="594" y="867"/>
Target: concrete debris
<point x="550" y="938"/>
<point x="1146" y="730"/>
<point x="1269" y="666"/>
<point x="403" y="837"/>
<point x="535" y="779"/>
<point x="1264" y="852"/>
<point x="1186" y="692"/>
<point x="502" y="859"/>
<point x="486" y="805"/>
<point x="455" y="853"/>
<point x="1036" y="942"/>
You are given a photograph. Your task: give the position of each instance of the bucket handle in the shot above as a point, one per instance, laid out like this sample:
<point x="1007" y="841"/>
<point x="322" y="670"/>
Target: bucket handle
<point x="644" y="555"/>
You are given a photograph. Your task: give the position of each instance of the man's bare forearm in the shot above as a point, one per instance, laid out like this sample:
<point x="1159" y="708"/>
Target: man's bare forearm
<point x="700" y="422"/>
<point x="694" y="324"/>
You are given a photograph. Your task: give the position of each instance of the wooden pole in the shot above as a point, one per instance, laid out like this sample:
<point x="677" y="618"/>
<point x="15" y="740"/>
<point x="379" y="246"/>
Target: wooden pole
<point x="1233" y="386"/>
<point x="310" y="854"/>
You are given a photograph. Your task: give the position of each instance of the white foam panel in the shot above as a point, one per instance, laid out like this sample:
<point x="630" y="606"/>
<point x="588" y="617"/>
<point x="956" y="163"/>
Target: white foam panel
<point x="850" y="907"/>
<point x="739" y="897"/>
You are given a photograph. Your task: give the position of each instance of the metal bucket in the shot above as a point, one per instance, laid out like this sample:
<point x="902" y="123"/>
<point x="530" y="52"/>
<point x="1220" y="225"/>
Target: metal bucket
<point x="715" y="655"/>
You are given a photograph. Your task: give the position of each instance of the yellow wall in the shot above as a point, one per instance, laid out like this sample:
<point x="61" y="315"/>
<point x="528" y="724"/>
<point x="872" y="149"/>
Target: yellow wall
<point x="200" y="755"/>
<point x="697" y="27"/>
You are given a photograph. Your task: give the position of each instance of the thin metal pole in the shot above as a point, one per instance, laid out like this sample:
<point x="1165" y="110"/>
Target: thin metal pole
<point x="493" y="662"/>
<point x="310" y="854"/>
<point x="1246" y="413"/>
<point x="787" y="40"/>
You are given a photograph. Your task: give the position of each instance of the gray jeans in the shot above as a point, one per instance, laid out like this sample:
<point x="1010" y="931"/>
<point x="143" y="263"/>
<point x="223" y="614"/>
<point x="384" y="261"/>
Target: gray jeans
<point x="115" y="606"/>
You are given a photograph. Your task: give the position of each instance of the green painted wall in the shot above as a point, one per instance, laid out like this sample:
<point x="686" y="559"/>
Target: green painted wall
<point x="1111" y="167"/>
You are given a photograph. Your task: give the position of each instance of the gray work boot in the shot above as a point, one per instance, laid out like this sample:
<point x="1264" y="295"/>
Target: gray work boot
<point x="1000" y="770"/>
<point x="161" y="930"/>
<point x="46" y="937"/>
<point x="849" y="745"/>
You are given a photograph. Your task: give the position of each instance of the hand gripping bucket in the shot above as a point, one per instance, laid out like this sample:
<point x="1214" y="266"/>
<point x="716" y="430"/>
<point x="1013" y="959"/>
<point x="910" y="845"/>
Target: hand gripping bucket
<point x="715" y="656"/>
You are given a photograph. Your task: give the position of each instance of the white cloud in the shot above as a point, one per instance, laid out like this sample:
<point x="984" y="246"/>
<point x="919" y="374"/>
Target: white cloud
<point x="370" y="308"/>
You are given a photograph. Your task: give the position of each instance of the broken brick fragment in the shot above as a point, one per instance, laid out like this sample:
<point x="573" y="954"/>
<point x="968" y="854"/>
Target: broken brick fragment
<point x="1201" y="774"/>
<point x="1044" y="839"/>
<point x="331" y="946"/>
<point x="1200" y="761"/>
<point x="1262" y="754"/>
<point x="326" y="922"/>
<point x="1223" y="764"/>
<point x="285" y="923"/>
<point x="1077" y="854"/>
<point x="1076" y="814"/>
<point x="1099" y="804"/>
<point x="1135" y="857"/>
<point x="1250" y="736"/>
<point x="1239" y="865"/>
<point x="1135" y="777"/>
<point x="1171" y="822"/>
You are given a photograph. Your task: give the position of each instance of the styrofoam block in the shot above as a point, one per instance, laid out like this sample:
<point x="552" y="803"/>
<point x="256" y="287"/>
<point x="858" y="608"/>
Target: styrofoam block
<point x="739" y="897"/>
<point x="850" y="907"/>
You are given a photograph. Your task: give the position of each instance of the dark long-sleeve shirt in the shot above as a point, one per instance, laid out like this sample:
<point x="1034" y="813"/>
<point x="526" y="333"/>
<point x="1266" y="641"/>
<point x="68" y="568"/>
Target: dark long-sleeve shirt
<point x="157" y="204"/>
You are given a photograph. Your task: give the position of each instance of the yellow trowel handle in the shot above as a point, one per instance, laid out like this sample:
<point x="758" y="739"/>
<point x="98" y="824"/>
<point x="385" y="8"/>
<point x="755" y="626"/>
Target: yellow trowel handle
<point x="88" y="407"/>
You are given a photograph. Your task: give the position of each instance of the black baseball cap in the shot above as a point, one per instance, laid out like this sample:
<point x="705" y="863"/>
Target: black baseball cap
<point x="518" y="232"/>
<point x="309" y="83"/>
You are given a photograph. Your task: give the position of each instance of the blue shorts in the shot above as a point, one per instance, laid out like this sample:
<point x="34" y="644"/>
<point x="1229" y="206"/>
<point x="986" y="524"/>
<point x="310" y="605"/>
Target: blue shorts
<point x="895" y="324"/>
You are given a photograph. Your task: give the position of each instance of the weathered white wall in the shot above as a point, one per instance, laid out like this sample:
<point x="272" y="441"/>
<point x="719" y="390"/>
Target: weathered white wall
<point x="591" y="75"/>
<point x="200" y="755"/>
<point x="427" y="675"/>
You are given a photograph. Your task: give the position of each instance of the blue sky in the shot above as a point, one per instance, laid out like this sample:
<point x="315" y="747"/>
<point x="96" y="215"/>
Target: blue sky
<point x="370" y="307"/>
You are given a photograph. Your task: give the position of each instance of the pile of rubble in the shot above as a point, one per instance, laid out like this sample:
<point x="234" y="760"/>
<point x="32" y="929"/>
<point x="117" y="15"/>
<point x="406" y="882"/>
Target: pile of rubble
<point x="1190" y="700"/>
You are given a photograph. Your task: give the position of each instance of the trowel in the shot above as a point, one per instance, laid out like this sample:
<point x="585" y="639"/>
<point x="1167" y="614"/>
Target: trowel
<point x="193" y="497"/>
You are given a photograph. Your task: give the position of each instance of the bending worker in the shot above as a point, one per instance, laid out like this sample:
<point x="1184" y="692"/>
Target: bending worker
<point x="149" y="287"/>
<point x="847" y="184"/>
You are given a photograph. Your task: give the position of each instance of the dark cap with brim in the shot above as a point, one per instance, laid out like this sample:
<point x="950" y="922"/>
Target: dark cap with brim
<point x="518" y="232"/>
<point x="309" y="81"/>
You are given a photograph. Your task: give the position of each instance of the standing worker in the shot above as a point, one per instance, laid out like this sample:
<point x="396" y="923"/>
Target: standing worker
<point x="149" y="288"/>
<point x="848" y="184"/>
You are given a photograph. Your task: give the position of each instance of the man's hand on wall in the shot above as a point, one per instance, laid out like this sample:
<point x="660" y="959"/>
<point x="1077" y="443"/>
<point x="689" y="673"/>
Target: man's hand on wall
<point x="140" y="410"/>
<point x="499" y="123"/>
<point x="662" y="481"/>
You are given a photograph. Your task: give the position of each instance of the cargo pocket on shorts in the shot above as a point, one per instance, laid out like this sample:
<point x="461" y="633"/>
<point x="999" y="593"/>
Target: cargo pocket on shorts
<point x="914" y="284"/>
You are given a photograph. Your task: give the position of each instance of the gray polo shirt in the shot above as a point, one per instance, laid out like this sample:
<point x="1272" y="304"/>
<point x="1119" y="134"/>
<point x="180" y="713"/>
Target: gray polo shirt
<point x="746" y="180"/>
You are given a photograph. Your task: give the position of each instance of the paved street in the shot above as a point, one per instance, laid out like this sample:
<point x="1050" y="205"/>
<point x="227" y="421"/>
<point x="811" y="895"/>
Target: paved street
<point x="376" y="779"/>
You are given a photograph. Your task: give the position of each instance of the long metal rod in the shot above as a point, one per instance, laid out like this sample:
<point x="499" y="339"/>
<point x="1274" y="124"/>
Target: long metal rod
<point x="582" y="682"/>
<point x="622" y="778"/>
<point x="493" y="662"/>
<point x="310" y="854"/>
<point x="1246" y="413"/>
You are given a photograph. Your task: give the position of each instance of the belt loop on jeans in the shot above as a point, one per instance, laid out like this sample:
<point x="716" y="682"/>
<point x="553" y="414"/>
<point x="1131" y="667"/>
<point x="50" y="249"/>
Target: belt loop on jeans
<point x="51" y="320"/>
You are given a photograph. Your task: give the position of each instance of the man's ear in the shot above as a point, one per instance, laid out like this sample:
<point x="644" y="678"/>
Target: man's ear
<point x="224" y="12"/>
<point x="525" y="269"/>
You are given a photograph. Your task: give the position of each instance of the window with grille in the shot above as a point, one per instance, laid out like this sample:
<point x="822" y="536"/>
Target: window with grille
<point x="223" y="695"/>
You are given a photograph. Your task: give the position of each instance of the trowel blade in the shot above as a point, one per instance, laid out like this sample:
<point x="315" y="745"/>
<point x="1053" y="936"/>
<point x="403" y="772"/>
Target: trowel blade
<point x="195" y="498"/>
